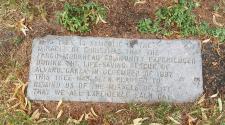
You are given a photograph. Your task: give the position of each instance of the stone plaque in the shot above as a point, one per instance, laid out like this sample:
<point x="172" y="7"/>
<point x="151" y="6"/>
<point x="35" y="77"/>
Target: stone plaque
<point x="95" y="69"/>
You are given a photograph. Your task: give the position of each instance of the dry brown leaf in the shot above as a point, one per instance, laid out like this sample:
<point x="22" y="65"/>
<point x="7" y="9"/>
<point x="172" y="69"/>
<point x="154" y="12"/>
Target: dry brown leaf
<point x="220" y="104"/>
<point x="81" y="118"/>
<point x="86" y="116"/>
<point x="206" y="41"/>
<point x="46" y="110"/>
<point x="97" y="20"/>
<point x="100" y="18"/>
<point x="70" y="120"/>
<point x="24" y="87"/>
<point x="204" y="116"/>
<point x="11" y="99"/>
<point x="191" y="120"/>
<point x="14" y="106"/>
<point x="20" y="25"/>
<point x="42" y="12"/>
<point x="19" y="110"/>
<point x="219" y="118"/>
<point x="138" y="121"/>
<point x="42" y="120"/>
<point x="201" y="100"/>
<point x="16" y="90"/>
<point x="59" y="114"/>
<point x="93" y="112"/>
<point x="89" y="116"/>
<point x="105" y="122"/>
<point x="35" y="115"/>
<point x="215" y="22"/>
<point x="59" y="104"/>
<point x="45" y="119"/>
<point x="215" y="63"/>
<point x="139" y="2"/>
<point x="214" y="95"/>
<point x="217" y="15"/>
<point x="173" y="120"/>
<point x="29" y="106"/>
<point x="121" y="110"/>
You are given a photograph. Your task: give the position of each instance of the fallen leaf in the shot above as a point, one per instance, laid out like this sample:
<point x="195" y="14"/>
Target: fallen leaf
<point x="26" y="102"/>
<point x="220" y="104"/>
<point x="100" y="18"/>
<point x="214" y="95"/>
<point x="59" y="114"/>
<point x="16" y="90"/>
<point x="217" y="15"/>
<point x="219" y="118"/>
<point x="81" y="118"/>
<point x="86" y="116"/>
<point x="105" y="122"/>
<point x="155" y="124"/>
<point x="24" y="87"/>
<point x="138" y="121"/>
<point x="11" y="99"/>
<point x="45" y="119"/>
<point x="121" y="110"/>
<point x="204" y="116"/>
<point x="93" y="112"/>
<point x="59" y="104"/>
<point x="89" y="116"/>
<point x="14" y="106"/>
<point x="191" y="120"/>
<point x="202" y="99"/>
<point x="214" y="63"/>
<point x="139" y="2"/>
<point x="215" y="22"/>
<point x="42" y="11"/>
<point x="20" y="25"/>
<point x="173" y="120"/>
<point x="29" y="106"/>
<point x="42" y="120"/>
<point x="46" y="110"/>
<point x="35" y="115"/>
<point x="97" y="20"/>
<point x="206" y="41"/>
<point x="70" y="120"/>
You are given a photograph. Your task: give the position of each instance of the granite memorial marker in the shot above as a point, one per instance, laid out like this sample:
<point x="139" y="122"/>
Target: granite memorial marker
<point x="97" y="69"/>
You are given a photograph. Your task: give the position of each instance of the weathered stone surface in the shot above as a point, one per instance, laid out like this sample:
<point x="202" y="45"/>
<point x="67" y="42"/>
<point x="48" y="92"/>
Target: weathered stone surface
<point x="115" y="70"/>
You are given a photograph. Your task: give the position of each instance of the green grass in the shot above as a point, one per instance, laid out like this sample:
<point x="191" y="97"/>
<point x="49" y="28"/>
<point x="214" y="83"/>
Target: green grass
<point x="80" y="18"/>
<point x="179" y="18"/>
<point x="15" y="118"/>
<point x="156" y="113"/>
<point x="219" y="7"/>
<point x="139" y="110"/>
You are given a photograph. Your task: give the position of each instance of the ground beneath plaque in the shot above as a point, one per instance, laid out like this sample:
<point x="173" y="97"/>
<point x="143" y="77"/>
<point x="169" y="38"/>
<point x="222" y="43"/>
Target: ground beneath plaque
<point x="122" y="18"/>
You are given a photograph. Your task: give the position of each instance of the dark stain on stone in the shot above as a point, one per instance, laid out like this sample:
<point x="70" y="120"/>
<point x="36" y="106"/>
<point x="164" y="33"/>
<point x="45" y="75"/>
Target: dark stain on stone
<point x="132" y="43"/>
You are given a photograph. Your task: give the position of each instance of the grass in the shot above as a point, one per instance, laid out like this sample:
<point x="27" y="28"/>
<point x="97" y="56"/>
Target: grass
<point x="219" y="6"/>
<point x="139" y="110"/>
<point x="80" y="18"/>
<point x="9" y="114"/>
<point x="15" y="118"/>
<point x="179" y="18"/>
<point x="157" y="113"/>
